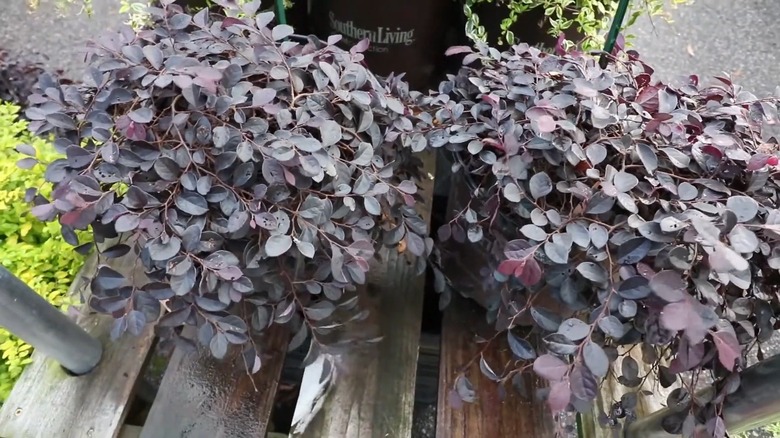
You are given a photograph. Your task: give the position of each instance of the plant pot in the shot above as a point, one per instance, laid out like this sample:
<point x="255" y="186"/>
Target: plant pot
<point x="406" y="36"/>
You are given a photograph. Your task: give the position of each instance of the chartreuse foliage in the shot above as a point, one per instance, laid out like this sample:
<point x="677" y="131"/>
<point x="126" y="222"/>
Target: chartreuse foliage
<point x="648" y="212"/>
<point x="255" y="174"/>
<point x="32" y="250"/>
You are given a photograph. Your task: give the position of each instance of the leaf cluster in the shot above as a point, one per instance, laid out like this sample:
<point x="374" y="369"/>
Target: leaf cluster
<point x="255" y="174"/>
<point x="589" y="18"/>
<point x="646" y="212"/>
<point x="17" y="78"/>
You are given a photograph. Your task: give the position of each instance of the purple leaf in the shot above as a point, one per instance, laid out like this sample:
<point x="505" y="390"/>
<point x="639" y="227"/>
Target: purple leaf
<point x="559" y="396"/>
<point x="550" y="367"/>
<point x="728" y="348"/>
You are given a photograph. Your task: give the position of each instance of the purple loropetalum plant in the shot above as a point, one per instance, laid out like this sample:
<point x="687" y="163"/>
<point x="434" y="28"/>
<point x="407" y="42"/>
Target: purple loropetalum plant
<point x="619" y="211"/>
<point x="255" y="173"/>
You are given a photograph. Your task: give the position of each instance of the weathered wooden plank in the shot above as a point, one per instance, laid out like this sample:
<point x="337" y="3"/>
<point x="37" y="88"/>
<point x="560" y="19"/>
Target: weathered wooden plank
<point x="46" y="402"/>
<point x="129" y="431"/>
<point x="490" y="416"/>
<point x="201" y="397"/>
<point x="373" y="394"/>
<point x="612" y="390"/>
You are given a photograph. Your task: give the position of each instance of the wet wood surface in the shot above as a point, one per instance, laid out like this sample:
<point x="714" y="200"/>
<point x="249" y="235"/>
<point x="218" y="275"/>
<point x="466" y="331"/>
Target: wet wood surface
<point x="202" y="397"/>
<point x="492" y="415"/>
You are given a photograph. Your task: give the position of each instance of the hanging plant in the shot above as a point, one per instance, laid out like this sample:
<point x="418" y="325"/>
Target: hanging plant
<point x="617" y="210"/>
<point x="254" y="173"/>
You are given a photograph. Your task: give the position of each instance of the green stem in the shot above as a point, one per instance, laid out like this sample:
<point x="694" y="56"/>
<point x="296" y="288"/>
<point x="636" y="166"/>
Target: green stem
<point x="614" y="31"/>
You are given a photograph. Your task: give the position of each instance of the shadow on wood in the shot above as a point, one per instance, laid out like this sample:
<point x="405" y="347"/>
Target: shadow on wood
<point x="612" y="390"/>
<point x="373" y="393"/>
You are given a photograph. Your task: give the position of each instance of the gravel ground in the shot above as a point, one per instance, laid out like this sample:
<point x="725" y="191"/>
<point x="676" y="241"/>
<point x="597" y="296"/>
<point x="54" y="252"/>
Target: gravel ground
<point x="55" y="38"/>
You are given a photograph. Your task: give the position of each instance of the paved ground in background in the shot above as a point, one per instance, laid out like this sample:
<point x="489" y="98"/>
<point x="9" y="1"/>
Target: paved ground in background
<point x="741" y="37"/>
<point x="711" y="36"/>
<point x="44" y="33"/>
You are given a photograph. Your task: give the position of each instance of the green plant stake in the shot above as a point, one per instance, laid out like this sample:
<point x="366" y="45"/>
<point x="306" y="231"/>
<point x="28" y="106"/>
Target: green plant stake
<point x="280" y="12"/>
<point x="614" y="30"/>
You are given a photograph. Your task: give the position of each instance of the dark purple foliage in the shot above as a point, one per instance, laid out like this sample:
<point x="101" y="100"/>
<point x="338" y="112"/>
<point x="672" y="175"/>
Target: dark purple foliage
<point x="17" y="78"/>
<point x="639" y="212"/>
<point x="253" y="172"/>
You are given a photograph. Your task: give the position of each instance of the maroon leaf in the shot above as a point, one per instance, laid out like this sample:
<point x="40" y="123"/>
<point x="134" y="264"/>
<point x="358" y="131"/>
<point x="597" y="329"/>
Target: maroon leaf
<point x="712" y="151"/>
<point x="728" y="347"/>
<point x="757" y="162"/>
<point x="560" y="395"/>
<point x="230" y="21"/>
<point x="530" y="273"/>
<point x="508" y="267"/>
<point x="135" y="131"/>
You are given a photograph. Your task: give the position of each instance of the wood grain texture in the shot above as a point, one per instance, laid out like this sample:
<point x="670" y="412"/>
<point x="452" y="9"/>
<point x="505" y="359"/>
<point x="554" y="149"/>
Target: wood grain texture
<point x="46" y="402"/>
<point x="373" y="393"/>
<point x="490" y="416"/>
<point x="202" y="397"/>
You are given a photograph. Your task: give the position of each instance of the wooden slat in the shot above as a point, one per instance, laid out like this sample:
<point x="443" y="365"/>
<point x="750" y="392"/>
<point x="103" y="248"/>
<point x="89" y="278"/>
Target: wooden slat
<point x="46" y="402"/>
<point x="373" y="393"/>
<point x="130" y="431"/>
<point x="201" y="397"/>
<point x="490" y="416"/>
<point x="612" y="390"/>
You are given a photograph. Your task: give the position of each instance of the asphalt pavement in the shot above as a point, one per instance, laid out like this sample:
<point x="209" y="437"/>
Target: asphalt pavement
<point x="709" y="37"/>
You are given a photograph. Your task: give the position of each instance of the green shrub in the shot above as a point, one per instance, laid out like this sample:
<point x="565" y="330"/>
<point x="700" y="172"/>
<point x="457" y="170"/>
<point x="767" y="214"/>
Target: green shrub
<point x="32" y="250"/>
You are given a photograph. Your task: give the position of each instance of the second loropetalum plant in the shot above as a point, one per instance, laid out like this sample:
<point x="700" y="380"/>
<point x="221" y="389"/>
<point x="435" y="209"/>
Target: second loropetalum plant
<point x="613" y="210"/>
<point x="255" y="174"/>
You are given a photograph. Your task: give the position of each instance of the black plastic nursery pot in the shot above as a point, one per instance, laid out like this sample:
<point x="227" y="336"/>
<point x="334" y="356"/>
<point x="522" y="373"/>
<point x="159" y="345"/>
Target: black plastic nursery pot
<point x="406" y="36"/>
